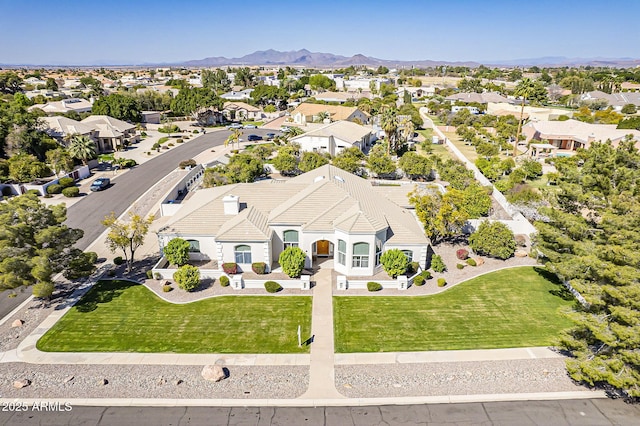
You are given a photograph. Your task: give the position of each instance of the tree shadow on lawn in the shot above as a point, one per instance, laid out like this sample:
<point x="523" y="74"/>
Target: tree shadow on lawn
<point x="103" y="292"/>
<point x="561" y="291"/>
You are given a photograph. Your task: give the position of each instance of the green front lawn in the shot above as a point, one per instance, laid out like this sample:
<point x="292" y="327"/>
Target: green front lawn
<point x="509" y="308"/>
<point x="120" y="316"/>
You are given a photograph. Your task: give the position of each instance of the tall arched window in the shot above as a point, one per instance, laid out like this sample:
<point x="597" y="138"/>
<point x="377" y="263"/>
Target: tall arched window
<point x="342" y="252"/>
<point x="290" y="238"/>
<point x="242" y="254"/>
<point x="194" y="246"/>
<point x="360" y="258"/>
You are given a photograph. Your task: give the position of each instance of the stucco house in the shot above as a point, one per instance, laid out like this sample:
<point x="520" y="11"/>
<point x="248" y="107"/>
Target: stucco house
<point x="241" y="111"/>
<point x="241" y="95"/>
<point x="309" y="113"/>
<point x="64" y="106"/>
<point x="335" y="137"/>
<point x="572" y="134"/>
<point x="327" y="212"/>
<point x="111" y="132"/>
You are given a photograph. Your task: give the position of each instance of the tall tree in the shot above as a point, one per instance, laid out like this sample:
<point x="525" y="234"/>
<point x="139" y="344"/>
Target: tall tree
<point x="389" y="123"/>
<point x="60" y="160"/>
<point x="82" y="147"/>
<point x="127" y="236"/>
<point x="527" y="89"/>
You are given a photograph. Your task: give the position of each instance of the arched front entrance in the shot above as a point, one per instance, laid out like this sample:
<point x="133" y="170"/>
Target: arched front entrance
<point x="322" y="253"/>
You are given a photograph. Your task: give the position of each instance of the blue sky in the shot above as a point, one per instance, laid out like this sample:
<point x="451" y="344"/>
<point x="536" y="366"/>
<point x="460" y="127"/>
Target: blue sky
<point x="134" y="32"/>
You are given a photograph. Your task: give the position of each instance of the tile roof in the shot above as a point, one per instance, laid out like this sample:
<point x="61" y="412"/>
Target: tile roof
<point x="344" y="130"/>
<point x="336" y="112"/>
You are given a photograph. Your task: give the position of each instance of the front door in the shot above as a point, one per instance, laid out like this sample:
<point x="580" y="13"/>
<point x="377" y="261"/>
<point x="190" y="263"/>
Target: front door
<point x="322" y="248"/>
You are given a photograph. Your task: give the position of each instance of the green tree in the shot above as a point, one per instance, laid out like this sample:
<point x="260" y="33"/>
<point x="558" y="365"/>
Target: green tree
<point x="117" y="105"/>
<point x="531" y="168"/>
<point x="244" y="168"/>
<point x="10" y="82"/>
<point x="234" y="137"/>
<point x="389" y="123"/>
<point x="177" y="251"/>
<point x="476" y="201"/>
<point x="493" y="239"/>
<point x="127" y="236"/>
<point x="34" y="243"/>
<point x="394" y="262"/>
<point x="286" y="163"/>
<point x="59" y="160"/>
<point x="26" y="168"/>
<point x="82" y="147"/>
<point x="189" y="100"/>
<point x="527" y="89"/>
<point x="187" y="277"/>
<point x="244" y="77"/>
<point x="51" y="84"/>
<point x="416" y="166"/>
<point x="629" y="109"/>
<point x="311" y="160"/>
<point x="320" y="81"/>
<point x="350" y="160"/>
<point x="292" y="261"/>
<point x="380" y="163"/>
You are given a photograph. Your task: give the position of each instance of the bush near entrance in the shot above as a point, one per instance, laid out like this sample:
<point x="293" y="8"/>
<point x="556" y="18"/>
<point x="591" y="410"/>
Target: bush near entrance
<point x="187" y="277"/>
<point x="374" y="286"/>
<point x="395" y="262"/>
<point x="292" y="261"/>
<point x="177" y="251"/>
<point x="230" y="268"/>
<point x="272" y="287"/>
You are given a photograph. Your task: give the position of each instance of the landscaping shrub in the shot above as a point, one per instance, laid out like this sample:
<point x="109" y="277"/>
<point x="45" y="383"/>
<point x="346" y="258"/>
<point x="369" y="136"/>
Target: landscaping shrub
<point x="48" y="196"/>
<point x="471" y="262"/>
<point x="162" y="140"/>
<point x="521" y="240"/>
<point x="155" y="146"/>
<point x="157" y="276"/>
<point x="418" y="280"/>
<point x="413" y="267"/>
<point x="426" y="275"/>
<point x="179" y="140"/>
<point x="92" y="257"/>
<point x="34" y="192"/>
<point x="442" y="282"/>
<point x="394" y="262"/>
<point x="66" y="182"/>
<point x="167" y="288"/>
<point x="493" y="239"/>
<point x="43" y="289"/>
<point x="71" y="192"/>
<point x="169" y="128"/>
<point x="54" y="188"/>
<point x="170" y="144"/>
<point x="187" y="163"/>
<point x="462" y="254"/>
<point x="230" y="268"/>
<point x="187" y="277"/>
<point x="126" y="163"/>
<point x="118" y="260"/>
<point x="259" y="267"/>
<point x="292" y="261"/>
<point x="6" y="191"/>
<point x="195" y="132"/>
<point x="272" y="287"/>
<point x="177" y="251"/>
<point x="224" y="281"/>
<point x="374" y="286"/>
<point x="143" y="134"/>
<point x="437" y="264"/>
<point x="459" y="266"/>
<point x="111" y="272"/>
<point x="150" y="274"/>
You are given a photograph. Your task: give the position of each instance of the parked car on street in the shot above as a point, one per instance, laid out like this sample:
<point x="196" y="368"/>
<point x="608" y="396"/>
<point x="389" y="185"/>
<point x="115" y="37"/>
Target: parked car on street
<point x="270" y="136"/>
<point x="254" y="138"/>
<point x="250" y="126"/>
<point x="235" y="126"/>
<point x="100" y="184"/>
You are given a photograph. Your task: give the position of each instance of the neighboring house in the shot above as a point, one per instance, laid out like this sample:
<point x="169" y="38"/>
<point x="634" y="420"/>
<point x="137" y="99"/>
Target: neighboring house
<point x="472" y="109"/>
<point x="616" y="100"/>
<point x="478" y="98"/>
<point x="416" y="92"/>
<point x="208" y="116"/>
<point x="535" y="113"/>
<point x="151" y="117"/>
<point x="335" y="137"/>
<point x="572" y="134"/>
<point x="111" y="132"/>
<point x="64" y="106"/>
<point x="241" y="111"/>
<point x="62" y="128"/>
<point x="237" y="95"/>
<point x="309" y="113"/>
<point x="341" y="97"/>
<point x="327" y="212"/>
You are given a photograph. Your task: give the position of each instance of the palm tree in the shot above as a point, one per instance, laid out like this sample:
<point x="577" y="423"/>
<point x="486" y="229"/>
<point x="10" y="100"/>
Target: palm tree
<point x="389" y="123"/>
<point x="82" y="147"/>
<point x="233" y="137"/>
<point x="525" y="89"/>
<point x="406" y="129"/>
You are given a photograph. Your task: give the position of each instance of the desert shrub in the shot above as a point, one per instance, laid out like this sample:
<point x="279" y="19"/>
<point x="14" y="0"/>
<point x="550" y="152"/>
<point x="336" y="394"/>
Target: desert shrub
<point x="259" y="267"/>
<point x="118" y="260"/>
<point x="374" y="286"/>
<point x="462" y="254"/>
<point x="437" y="264"/>
<point x="126" y="163"/>
<point x="230" y="268"/>
<point x="272" y="287"/>
<point x="224" y="281"/>
<point x="419" y="280"/>
<point x="395" y="262"/>
<point x="442" y="282"/>
<point x="471" y="262"/>
<point x="143" y="134"/>
<point x="179" y="140"/>
<point x="426" y="275"/>
<point x="157" y="276"/>
<point x="459" y="266"/>
<point x="43" y="289"/>
<point x="48" y="196"/>
<point x="521" y="240"/>
<point x="170" y="144"/>
<point x="54" y="188"/>
<point x="187" y="163"/>
<point x="149" y="274"/>
<point x="292" y="261"/>
<point x="169" y="128"/>
<point x="155" y="146"/>
<point x="92" y="257"/>
<point x="66" y="182"/>
<point x="167" y="288"/>
<point x="187" y="277"/>
<point x="195" y="132"/>
<point x="70" y="192"/>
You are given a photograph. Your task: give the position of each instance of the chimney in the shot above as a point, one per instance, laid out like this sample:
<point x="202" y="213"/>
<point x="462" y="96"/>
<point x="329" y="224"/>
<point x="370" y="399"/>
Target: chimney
<point x="591" y="138"/>
<point x="231" y="204"/>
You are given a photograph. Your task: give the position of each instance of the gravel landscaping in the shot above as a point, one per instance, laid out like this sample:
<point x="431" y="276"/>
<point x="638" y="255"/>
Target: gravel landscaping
<point x="459" y="378"/>
<point x="151" y="381"/>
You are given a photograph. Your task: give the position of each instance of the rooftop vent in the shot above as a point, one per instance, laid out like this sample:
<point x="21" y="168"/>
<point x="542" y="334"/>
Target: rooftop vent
<point x="318" y="179"/>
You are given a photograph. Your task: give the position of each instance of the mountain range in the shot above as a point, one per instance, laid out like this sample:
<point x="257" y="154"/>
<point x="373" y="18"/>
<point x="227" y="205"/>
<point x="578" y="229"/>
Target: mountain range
<point x="304" y="57"/>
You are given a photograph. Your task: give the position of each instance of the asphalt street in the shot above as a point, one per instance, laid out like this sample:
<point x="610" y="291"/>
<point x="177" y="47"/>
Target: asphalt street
<point x="522" y="413"/>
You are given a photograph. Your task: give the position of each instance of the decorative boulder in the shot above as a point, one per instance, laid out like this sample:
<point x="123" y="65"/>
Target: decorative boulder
<point x="19" y="384"/>
<point x="17" y="323"/>
<point x="520" y="253"/>
<point x="479" y="261"/>
<point x="213" y="373"/>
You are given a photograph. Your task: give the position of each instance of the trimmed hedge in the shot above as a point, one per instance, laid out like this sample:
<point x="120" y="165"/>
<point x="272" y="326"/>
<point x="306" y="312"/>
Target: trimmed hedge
<point x="149" y="274"/>
<point x="118" y="260"/>
<point x="374" y="286"/>
<point x="230" y="268"/>
<point x="66" y="182"/>
<point x="419" y="280"/>
<point x="442" y="282"/>
<point x="426" y="275"/>
<point x="272" y="287"/>
<point x="167" y="288"/>
<point x="187" y="163"/>
<point x="459" y="266"/>
<point x="224" y="281"/>
<point x="71" y="192"/>
<point x="471" y="262"/>
<point x="259" y="267"/>
<point x="54" y="188"/>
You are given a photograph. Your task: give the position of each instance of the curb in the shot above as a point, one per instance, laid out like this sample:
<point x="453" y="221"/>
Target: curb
<point x="345" y="402"/>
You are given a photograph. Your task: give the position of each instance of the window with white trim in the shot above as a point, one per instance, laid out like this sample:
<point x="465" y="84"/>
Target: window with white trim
<point x="360" y="257"/>
<point x="242" y="254"/>
<point x="409" y="255"/>
<point x="290" y="238"/>
<point x="194" y="246"/>
<point x="342" y="252"/>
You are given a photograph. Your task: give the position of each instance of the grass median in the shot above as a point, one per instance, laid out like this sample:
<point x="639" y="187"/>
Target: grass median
<point x="120" y="316"/>
<point x="516" y="307"/>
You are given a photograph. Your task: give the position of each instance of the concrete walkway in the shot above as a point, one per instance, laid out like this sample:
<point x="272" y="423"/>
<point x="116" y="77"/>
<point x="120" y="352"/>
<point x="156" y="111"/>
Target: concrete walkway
<point x="321" y="372"/>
